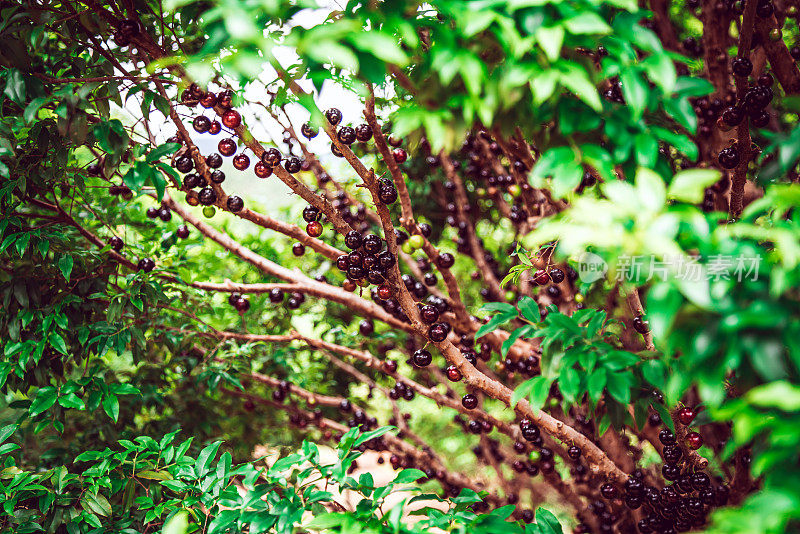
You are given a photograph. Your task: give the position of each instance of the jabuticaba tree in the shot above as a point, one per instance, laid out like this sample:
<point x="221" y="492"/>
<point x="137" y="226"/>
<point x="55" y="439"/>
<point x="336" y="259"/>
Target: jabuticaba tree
<point x="541" y="259"/>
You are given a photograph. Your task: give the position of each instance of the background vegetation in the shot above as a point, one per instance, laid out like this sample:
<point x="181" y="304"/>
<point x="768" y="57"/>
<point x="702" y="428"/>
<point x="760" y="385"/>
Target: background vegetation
<point x="162" y="329"/>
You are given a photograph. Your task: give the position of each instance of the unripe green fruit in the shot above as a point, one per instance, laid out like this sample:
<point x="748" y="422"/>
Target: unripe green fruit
<point x="535" y="456"/>
<point x="407" y="248"/>
<point x="416" y="241"/>
<point x="515" y="190"/>
<point x="209" y="212"/>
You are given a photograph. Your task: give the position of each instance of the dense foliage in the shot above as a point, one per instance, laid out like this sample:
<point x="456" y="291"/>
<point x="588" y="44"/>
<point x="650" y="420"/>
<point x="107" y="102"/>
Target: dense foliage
<point x="541" y="258"/>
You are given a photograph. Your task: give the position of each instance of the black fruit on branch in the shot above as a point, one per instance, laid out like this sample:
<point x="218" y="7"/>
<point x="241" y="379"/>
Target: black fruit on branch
<point x="363" y="132"/>
<point x="214" y="161"/>
<point x="346" y="135"/>
<point x="334" y="116"/>
<point x="227" y="147"/>
<point x="641" y="325"/>
<point x="469" y="401"/>
<point x="271" y="157"/>
<point x="184" y="164"/>
<point x="235" y="204"/>
<point x="146" y="265"/>
<point x="217" y="176"/>
<point x="741" y="66"/>
<point x="308" y="131"/>
<point x="207" y="196"/>
<point x="421" y="358"/>
<point x="293" y="165"/>
<point x="201" y="124"/>
<point x="729" y="157"/>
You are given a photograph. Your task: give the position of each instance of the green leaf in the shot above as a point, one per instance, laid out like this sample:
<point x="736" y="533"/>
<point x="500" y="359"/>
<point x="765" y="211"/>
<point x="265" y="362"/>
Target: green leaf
<point x="110" y="405"/>
<point x="366" y="436"/>
<point x="71" y="400"/>
<point x="57" y="342"/>
<point x="661" y="70"/>
<point x="646" y="150"/>
<point x="529" y="309"/>
<point x="780" y="394"/>
<point x="8" y="447"/>
<point x="65" y="266"/>
<point x="163" y="150"/>
<point x="634" y="89"/>
<point x="522" y="391"/>
<point x="543" y="85"/>
<point x="619" y="386"/>
<point x="690" y="185"/>
<point x="587" y="22"/>
<point x="96" y="504"/>
<point x="495" y="322"/>
<point x="407" y="476"/>
<point x="550" y="39"/>
<point x="577" y="80"/>
<point x="381" y="45"/>
<point x="150" y="474"/>
<point x="177" y="524"/>
<point x="210" y="452"/>
<point x="547" y="522"/>
<point x="691" y="86"/>
<point x="327" y="521"/>
<point x="45" y="398"/>
<point x="540" y="391"/>
<point x="569" y="383"/>
<point x="596" y="384"/>
<point x="682" y="111"/>
<point x="526" y="330"/>
<point x="502" y="307"/>
<point x="32" y="109"/>
<point x="7" y="431"/>
<point x="15" y="86"/>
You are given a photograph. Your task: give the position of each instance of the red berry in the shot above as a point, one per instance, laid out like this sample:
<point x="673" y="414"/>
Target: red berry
<point x="694" y="440"/>
<point x="227" y="147"/>
<point x="453" y="374"/>
<point x="314" y="229"/>
<point x="541" y="277"/>
<point x="261" y="170"/>
<point x="231" y="119"/>
<point x="209" y="100"/>
<point x="241" y="162"/>
<point x="686" y="415"/>
<point x="400" y="155"/>
<point x="385" y="292"/>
